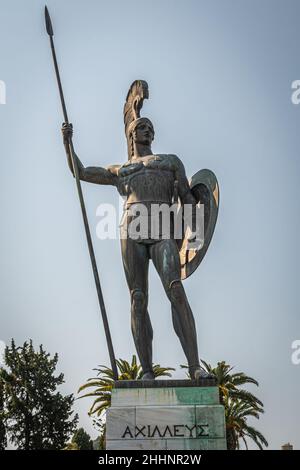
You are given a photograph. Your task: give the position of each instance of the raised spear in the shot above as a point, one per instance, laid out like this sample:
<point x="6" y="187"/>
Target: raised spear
<point x="82" y="205"/>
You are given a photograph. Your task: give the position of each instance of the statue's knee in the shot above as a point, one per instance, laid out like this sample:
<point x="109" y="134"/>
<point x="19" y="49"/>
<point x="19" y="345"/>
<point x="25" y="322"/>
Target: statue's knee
<point x="176" y="290"/>
<point x="138" y="301"/>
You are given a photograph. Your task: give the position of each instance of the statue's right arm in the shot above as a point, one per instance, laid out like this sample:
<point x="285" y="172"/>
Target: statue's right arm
<point x="91" y="174"/>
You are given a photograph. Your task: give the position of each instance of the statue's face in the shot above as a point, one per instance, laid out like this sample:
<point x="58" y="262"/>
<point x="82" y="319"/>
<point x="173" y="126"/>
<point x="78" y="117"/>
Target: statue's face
<point x="143" y="133"/>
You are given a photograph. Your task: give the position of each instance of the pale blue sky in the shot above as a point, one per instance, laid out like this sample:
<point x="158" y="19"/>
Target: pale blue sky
<point x="220" y="75"/>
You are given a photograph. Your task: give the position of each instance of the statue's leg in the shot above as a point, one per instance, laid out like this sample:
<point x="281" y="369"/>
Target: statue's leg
<point x="136" y="263"/>
<point x="166" y="260"/>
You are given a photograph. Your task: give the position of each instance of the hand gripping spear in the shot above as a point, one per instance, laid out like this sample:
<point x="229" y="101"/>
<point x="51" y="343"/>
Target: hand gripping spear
<point x="83" y="210"/>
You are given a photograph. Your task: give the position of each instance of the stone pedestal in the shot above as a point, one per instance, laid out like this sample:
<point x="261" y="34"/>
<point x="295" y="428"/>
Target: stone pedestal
<point x="166" y="415"/>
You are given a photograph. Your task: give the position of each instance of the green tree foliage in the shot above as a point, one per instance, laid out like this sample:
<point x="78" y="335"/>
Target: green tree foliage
<point x="239" y="405"/>
<point x="237" y="413"/>
<point x="71" y="446"/>
<point x="100" y="426"/>
<point x="3" y="439"/>
<point x="103" y="383"/>
<point x="37" y="416"/>
<point x="82" y="439"/>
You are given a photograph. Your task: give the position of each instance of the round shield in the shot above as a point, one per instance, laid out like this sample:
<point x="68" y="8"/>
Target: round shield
<point x="205" y="189"/>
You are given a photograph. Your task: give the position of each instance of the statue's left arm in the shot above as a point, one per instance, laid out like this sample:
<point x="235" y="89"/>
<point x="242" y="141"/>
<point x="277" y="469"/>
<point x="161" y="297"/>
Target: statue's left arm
<point x="184" y="190"/>
<point x="187" y="199"/>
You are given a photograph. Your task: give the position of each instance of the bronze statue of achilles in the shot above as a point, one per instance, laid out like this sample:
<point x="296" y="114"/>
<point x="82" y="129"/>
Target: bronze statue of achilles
<point x="149" y="178"/>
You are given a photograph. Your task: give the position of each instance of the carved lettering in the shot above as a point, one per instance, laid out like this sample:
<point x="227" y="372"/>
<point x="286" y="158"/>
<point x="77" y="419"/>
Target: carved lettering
<point x="127" y="431"/>
<point x="139" y="431"/>
<point x="167" y="429"/>
<point x="176" y="430"/>
<point x="202" y="431"/>
<point x="191" y="430"/>
<point x="156" y="429"/>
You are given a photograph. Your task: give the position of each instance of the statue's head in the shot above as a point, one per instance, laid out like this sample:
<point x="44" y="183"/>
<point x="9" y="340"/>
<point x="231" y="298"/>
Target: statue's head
<point x="138" y="130"/>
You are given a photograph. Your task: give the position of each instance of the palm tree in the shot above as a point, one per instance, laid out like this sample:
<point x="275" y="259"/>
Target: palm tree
<point x="228" y="383"/>
<point x="236" y="414"/>
<point x="104" y="382"/>
<point x="239" y="405"/>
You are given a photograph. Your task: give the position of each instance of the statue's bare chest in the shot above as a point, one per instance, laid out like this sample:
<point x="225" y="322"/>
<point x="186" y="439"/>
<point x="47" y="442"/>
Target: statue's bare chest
<point x="148" y="178"/>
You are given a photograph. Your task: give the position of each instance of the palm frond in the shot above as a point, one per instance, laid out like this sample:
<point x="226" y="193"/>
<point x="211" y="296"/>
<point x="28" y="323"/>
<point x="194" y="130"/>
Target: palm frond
<point x="104" y="382"/>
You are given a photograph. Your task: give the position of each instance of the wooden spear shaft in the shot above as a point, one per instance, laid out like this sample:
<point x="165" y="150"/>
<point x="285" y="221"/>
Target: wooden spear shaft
<point x="82" y="205"/>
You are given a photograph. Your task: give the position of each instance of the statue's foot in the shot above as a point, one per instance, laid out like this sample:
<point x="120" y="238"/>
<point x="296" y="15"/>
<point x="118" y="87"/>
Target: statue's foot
<point x="148" y="375"/>
<point x="198" y="373"/>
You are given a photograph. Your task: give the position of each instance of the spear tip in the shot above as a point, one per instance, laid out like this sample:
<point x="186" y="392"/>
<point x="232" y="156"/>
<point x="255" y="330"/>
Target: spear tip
<point x="48" y="22"/>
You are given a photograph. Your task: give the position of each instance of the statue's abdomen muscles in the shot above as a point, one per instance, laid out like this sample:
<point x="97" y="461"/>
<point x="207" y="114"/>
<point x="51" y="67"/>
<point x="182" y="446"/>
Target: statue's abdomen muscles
<point x="148" y="185"/>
